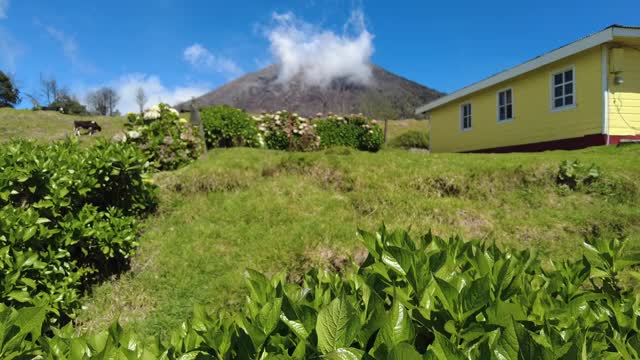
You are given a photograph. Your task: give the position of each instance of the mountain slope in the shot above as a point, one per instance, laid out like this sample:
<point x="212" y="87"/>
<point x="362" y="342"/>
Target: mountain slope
<point x="388" y="95"/>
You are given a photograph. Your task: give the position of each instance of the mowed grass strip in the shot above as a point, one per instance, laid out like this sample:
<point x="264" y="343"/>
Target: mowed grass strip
<point x="274" y="211"/>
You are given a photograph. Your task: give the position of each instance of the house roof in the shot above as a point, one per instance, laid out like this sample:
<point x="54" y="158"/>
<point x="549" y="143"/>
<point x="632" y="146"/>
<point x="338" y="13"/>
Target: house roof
<point x="585" y="43"/>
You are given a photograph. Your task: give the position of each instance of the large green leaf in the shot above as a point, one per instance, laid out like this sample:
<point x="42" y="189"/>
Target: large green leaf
<point x="398" y="326"/>
<point x="337" y="326"/>
<point x="404" y="351"/>
<point x="443" y="349"/>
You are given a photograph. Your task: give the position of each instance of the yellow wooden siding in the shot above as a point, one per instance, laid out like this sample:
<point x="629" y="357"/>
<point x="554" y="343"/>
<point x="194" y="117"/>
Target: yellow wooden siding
<point x="624" y="100"/>
<point x="534" y="121"/>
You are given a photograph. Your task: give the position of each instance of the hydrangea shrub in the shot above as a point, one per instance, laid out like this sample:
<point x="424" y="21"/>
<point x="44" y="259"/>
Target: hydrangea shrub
<point x="354" y="131"/>
<point x="168" y="141"/>
<point x="226" y="126"/>
<point x="287" y="131"/>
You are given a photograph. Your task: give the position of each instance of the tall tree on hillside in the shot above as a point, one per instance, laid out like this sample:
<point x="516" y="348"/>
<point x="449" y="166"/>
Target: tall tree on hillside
<point x="141" y="99"/>
<point x="9" y="93"/>
<point x="49" y="89"/>
<point x="103" y="101"/>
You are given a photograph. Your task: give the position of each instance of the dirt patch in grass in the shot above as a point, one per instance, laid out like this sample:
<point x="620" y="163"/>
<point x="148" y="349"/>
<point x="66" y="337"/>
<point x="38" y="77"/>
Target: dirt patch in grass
<point x="194" y="183"/>
<point x="326" y="258"/>
<point x="323" y="175"/>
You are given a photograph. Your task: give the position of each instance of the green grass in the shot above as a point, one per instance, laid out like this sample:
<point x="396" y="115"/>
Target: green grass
<point x="398" y="127"/>
<point x="50" y="125"/>
<point x="273" y="211"/>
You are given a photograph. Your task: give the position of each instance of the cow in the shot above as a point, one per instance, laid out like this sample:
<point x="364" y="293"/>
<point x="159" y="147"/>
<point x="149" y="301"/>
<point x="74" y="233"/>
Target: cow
<point x="92" y="126"/>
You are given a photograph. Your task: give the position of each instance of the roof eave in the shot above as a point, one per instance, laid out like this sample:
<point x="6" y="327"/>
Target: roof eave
<point x="589" y="42"/>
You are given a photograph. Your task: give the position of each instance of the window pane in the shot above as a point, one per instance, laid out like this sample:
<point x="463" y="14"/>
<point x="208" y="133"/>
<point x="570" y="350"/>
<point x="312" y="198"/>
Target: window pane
<point x="502" y="113"/>
<point x="557" y="91"/>
<point x="509" y="111"/>
<point x="501" y="98"/>
<point x="568" y="100"/>
<point x="508" y="96"/>
<point x="568" y="76"/>
<point x="568" y="89"/>
<point x="557" y="79"/>
<point x="558" y="103"/>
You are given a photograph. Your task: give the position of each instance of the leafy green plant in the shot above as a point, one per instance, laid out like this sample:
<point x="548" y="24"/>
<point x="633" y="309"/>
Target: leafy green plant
<point x="412" y="139"/>
<point x="575" y="175"/>
<point x="354" y="131"/>
<point x="68" y="218"/>
<point x="226" y="126"/>
<point x="428" y="299"/>
<point x="168" y="141"/>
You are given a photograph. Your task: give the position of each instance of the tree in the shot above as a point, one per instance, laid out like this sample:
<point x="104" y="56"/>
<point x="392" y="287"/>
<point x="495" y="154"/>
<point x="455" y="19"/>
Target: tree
<point x="141" y="99"/>
<point x="9" y="93"/>
<point x="50" y="89"/>
<point x="103" y="101"/>
<point x="69" y="105"/>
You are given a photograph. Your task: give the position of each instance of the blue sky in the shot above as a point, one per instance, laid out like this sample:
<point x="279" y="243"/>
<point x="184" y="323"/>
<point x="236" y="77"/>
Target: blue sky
<point x="178" y="49"/>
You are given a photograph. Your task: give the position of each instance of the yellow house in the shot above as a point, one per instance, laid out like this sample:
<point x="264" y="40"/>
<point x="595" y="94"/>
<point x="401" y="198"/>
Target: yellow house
<point x="583" y="94"/>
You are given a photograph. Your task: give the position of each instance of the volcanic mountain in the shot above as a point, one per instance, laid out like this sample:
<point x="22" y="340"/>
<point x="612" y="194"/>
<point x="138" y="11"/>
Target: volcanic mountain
<point x="387" y="95"/>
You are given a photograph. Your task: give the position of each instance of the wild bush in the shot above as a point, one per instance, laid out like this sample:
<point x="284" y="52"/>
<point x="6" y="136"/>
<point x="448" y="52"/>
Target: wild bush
<point x="68" y="218"/>
<point x="226" y="126"/>
<point x="411" y="140"/>
<point x="354" y="131"/>
<point x="287" y="131"/>
<point x="575" y="175"/>
<point x="168" y="141"/>
<point x="427" y="299"/>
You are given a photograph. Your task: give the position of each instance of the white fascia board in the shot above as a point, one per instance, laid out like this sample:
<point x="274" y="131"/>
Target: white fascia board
<point x="589" y="42"/>
<point x="626" y="32"/>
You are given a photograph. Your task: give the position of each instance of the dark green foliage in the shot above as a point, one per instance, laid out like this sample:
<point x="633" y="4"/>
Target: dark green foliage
<point x="575" y="175"/>
<point x="9" y="93"/>
<point x="411" y="140"/>
<point x="430" y="299"/>
<point x="68" y="218"/>
<point x="353" y="131"/>
<point x="226" y="126"/>
<point x="69" y="106"/>
<point x="168" y="141"/>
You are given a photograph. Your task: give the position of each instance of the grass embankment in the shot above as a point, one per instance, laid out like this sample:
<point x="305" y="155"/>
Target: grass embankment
<point x="51" y="125"/>
<point x="273" y="211"/>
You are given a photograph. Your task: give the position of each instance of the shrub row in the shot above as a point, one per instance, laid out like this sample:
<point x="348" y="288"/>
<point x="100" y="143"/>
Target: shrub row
<point x="412" y="139"/>
<point x="228" y="127"/>
<point x="430" y="299"/>
<point x="168" y="141"/>
<point x="68" y="217"/>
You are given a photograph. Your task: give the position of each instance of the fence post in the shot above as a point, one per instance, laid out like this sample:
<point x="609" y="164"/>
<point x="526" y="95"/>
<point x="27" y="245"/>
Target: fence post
<point x="385" y="129"/>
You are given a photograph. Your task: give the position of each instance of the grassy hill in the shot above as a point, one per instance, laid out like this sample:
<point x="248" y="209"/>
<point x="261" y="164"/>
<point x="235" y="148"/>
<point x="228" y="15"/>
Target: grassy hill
<point x="50" y="125"/>
<point x="274" y="211"/>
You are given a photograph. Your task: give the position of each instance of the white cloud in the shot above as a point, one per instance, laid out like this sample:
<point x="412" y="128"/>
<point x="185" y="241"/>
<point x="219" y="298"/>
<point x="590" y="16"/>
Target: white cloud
<point x="69" y="48"/>
<point x="10" y="50"/>
<point x="321" y="56"/>
<point x="157" y="92"/>
<point x="4" y="8"/>
<point x="202" y="59"/>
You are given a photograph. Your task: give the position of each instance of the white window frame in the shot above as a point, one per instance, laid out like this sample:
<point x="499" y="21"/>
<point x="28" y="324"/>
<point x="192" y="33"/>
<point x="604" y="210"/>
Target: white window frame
<point x="462" y="106"/>
<point x="552" y="97"/>
<point x="505" y="106"/>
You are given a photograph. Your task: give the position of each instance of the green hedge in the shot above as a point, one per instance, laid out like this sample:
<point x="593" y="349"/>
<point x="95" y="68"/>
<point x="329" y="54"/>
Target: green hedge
<point x="428" y="299"/>
<point x="226" y="126"/>
<point x="353" y="131"/>
<point x="68" y="218"/>
<point x="413" y="139"/>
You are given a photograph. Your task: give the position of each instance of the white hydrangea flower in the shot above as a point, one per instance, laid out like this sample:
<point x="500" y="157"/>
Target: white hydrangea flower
<point x="133" y="134"/>
<point x="174" y="111"/>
